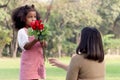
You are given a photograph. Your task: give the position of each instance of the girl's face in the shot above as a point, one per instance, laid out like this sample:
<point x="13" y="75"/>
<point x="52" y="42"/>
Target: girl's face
<point x="31" y="16"/>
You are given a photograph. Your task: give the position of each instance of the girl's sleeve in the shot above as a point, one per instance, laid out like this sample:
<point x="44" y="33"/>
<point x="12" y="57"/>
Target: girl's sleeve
<point x="22" y="38"/>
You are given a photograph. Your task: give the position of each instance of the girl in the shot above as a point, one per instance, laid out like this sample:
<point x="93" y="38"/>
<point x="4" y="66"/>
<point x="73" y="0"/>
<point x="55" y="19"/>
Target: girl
<point x="32" y="60"/>
<point x="88" y="63"/>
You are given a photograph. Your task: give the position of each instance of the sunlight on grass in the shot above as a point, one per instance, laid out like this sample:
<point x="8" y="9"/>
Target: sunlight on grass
<point x="9" y="68"/>
<point x="112" y="67"/>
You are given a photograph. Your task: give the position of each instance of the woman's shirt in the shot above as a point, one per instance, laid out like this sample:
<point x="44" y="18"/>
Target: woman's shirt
<point x="84" y="69"/>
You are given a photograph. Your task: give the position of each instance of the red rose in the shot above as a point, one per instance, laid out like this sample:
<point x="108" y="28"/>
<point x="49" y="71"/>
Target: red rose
<point x="32" y="24"/>
<point x="40" y="21"/>
<point x="37" y="23"/>
<point x="41" y="27"/>
<point x="37" y="29"/>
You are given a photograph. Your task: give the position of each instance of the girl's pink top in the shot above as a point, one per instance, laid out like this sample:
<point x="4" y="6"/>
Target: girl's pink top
<point x="32" y="63"/>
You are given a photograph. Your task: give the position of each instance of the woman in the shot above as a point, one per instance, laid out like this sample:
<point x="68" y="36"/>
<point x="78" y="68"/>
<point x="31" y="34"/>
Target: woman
<point x="88" y="63"/>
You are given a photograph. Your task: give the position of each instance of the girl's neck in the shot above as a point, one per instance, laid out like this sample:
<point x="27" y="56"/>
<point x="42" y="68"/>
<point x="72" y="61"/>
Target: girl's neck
<point x="27" y="27"/>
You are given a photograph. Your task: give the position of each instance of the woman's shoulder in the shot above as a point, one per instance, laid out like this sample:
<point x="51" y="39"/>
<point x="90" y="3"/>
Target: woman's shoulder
<point x="77" y="57"/>
<point x="77" y="60"/>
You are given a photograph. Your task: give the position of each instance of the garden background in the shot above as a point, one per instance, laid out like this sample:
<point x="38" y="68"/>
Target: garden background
<point x="65" y="19"/>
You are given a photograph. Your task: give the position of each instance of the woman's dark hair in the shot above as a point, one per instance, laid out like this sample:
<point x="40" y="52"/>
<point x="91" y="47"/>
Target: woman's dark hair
<point x="19" y="14"/>
<point x="91" y="44"/>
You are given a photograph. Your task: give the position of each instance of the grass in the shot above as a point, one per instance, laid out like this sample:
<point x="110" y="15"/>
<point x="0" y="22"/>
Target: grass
<point x="113" y="67"/>
<point x="9" y="69"/>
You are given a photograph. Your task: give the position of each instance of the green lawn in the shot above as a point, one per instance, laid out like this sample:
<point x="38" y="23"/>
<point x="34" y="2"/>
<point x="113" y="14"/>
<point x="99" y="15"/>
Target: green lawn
<point x="9" y="69"/>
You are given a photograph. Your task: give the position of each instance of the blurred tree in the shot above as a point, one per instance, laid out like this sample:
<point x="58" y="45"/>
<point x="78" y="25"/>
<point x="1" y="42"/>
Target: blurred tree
<point x="110" y="43"/>
<point x="4" y="39"/>
<point x="116" y="28"/>
<point x="4" y="5"/>
<point x="72" y="17"/>
<point x="5" y="36"/>
<point x="109" y="11"/>
<point x="67" y="18"/>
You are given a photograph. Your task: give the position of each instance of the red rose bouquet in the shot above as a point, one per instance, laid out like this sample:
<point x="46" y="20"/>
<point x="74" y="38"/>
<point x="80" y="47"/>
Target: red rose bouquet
<point x="38" y="30"/>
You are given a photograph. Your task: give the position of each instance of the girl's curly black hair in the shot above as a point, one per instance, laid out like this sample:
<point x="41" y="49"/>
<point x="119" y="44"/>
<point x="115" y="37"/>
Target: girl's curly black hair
<point x="19" y="14"/>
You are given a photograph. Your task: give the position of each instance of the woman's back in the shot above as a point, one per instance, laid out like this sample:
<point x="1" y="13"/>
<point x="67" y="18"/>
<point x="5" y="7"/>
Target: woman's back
<point x="86" y="69"/>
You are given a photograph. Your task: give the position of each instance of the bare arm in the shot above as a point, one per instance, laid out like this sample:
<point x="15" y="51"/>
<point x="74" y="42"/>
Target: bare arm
<point x="30" y="44"/>
<point x="72" y="69"/>
<point x="57" y="63"/>
<point x="44" y="44"/>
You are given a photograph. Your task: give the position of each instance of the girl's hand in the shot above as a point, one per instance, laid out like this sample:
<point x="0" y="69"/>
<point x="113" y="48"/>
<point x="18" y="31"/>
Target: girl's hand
<point x="30" y="44"/>
<point x="43" y="44"/>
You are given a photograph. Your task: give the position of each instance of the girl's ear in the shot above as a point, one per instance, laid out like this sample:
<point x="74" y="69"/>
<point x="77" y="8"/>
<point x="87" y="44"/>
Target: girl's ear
<point x="32" y="6"/>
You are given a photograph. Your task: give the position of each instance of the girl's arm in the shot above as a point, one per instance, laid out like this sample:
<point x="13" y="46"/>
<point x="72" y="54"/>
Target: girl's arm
<point x="57" y="63"/>
<point x="28" y="45"/>
<point x="43" y="44"/>
<point x="23" y="40"/>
